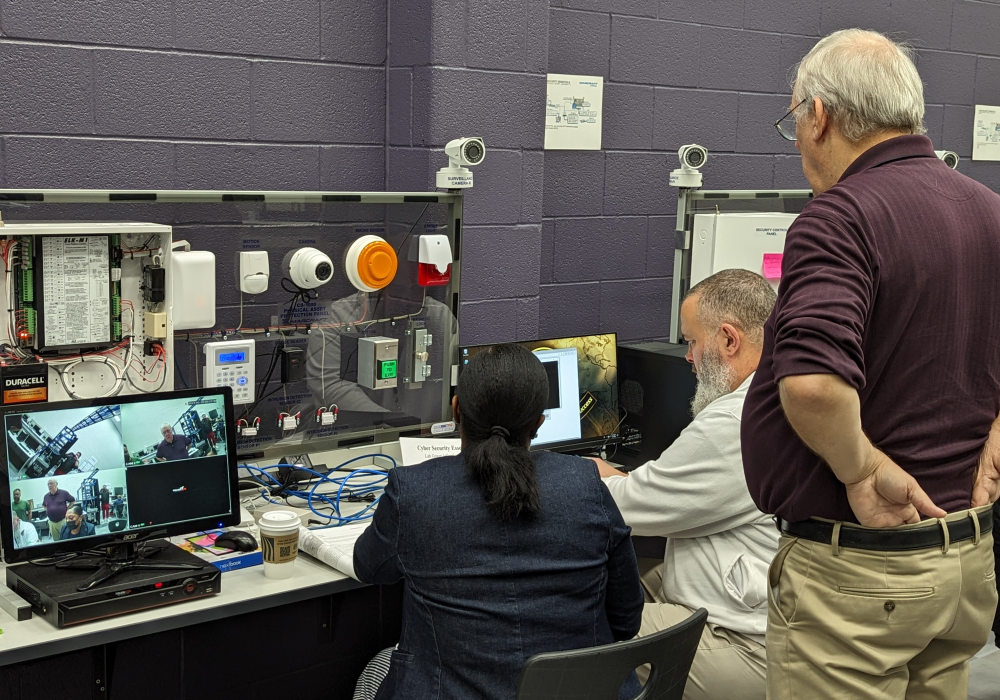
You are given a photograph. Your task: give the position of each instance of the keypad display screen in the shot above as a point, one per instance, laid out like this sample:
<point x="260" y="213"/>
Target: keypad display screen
<point x="231" y="357"/>
<point x="387" y="369"/>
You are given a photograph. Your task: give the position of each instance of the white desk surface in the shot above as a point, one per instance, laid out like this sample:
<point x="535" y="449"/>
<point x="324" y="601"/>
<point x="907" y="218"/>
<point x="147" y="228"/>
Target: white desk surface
<point x="244" y="590"/>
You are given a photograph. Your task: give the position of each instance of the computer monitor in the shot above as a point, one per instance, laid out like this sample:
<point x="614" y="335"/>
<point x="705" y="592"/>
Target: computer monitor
<point x="582" y="407"/>
<point x="167" y="464"/>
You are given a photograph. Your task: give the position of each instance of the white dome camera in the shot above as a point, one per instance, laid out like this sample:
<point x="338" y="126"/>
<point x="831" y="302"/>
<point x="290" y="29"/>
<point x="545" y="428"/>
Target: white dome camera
<point x="308" y="268"/>
<point x="692" y="157"/>
<point x="950" y="158"/>
<point x="469" y="150"/>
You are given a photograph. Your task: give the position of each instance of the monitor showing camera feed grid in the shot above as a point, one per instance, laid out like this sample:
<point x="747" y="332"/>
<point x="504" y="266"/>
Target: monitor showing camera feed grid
<point x="582" y="406"/>
<point x="96" y="470"/>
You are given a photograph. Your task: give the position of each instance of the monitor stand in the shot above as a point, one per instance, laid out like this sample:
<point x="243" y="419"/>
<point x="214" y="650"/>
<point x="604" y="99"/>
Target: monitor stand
<point x="121" y="556"/>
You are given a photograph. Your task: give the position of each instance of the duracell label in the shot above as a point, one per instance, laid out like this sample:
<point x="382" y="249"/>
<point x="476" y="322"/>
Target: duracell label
<point x="24" y="383"/>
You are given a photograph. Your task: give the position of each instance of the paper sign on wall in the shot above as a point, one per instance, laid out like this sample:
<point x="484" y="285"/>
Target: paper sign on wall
<point x="772" y="266"/>
<point x="986" y="133"/>
<point x="573" y="112"/>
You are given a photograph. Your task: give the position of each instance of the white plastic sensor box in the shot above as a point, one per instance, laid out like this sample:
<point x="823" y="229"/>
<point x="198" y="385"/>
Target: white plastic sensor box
<point x="193" y="289"/>
<point x="254" y="273"/>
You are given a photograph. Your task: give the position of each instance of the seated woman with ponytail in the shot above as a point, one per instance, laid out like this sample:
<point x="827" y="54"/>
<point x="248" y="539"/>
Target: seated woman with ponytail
<point x="504" y="553"/>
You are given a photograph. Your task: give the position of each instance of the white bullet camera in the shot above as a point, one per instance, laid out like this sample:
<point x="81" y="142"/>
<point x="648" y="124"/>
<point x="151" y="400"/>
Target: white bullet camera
<point x="950" y="158"/>
<point x="692" y="157"/>
<point x="469" y="150"/>
<point x="466" y="151"/>
<point x="308" y="268"/>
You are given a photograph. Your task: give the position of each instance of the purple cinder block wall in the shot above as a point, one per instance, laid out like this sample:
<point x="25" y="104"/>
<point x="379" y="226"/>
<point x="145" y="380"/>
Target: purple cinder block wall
<point x="363" y="94"/>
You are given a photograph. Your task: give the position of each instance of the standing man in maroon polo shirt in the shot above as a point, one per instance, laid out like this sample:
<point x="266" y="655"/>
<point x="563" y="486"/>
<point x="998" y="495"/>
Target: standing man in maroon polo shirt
<point x="871" y="427"/>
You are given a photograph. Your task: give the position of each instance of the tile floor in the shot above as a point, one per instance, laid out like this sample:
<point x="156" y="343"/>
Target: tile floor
<point x="984" y="673"/>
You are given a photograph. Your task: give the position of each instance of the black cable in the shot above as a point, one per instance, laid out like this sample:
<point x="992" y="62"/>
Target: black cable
<point x="299" y="294"/>
<point x="407" y="236"/>
<point x="253" y="406"/>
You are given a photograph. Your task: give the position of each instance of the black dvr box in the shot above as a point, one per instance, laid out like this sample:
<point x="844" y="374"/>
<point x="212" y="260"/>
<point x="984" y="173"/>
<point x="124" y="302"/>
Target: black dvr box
<point x="53" y="595"/>
<point x="655" y="387"/>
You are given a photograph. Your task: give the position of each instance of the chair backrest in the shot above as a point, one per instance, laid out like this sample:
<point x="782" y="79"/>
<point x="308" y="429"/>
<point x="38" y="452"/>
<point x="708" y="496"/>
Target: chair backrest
<point x="598" y="672"/>
<point x="116" y="525"/>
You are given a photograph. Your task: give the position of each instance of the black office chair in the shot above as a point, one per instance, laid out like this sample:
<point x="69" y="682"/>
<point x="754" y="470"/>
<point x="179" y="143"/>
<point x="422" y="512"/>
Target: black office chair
<point x="597" y="673"/>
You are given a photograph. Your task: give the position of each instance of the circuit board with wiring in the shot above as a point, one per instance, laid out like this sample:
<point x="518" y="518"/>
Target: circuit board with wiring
<point x="76" y="302"/>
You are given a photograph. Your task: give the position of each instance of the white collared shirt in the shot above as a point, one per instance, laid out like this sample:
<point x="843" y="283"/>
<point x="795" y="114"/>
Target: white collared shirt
<point x="25" y="535"/>
<point x="695" y="493"/>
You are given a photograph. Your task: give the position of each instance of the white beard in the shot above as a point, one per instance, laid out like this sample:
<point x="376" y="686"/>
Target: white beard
<point x="714" y="380"/>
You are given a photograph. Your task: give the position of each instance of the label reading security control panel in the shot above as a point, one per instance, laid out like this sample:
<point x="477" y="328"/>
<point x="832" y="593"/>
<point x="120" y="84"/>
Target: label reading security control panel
<point x="231" y="363"/>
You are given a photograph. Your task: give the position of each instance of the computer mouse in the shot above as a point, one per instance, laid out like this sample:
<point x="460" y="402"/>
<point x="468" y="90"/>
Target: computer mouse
<point x="238" y="540"/>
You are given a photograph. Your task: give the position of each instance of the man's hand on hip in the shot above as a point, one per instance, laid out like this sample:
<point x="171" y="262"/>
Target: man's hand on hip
<point x="986" y="487"/>
<point x="888" y="496"/>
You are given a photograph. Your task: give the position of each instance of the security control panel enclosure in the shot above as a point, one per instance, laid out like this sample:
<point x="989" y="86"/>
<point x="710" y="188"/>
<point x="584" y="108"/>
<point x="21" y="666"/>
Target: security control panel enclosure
<point x="78" y="306"/>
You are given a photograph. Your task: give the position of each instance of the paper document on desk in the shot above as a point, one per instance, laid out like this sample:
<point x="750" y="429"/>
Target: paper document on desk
<point x="333" y="546"/>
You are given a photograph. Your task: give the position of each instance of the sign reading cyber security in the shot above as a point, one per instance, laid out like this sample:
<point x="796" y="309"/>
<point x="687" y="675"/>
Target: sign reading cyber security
<point x="573" y="115"/>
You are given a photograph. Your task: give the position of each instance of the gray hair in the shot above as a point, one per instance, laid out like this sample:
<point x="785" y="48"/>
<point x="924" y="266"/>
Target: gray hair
<point x="166" y="425"/>
<point x="867" y="82"/>
<point x="738" y="297"/>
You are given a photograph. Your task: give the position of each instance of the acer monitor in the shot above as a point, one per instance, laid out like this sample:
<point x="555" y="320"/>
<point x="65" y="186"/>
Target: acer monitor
<point x="103" y="472"/>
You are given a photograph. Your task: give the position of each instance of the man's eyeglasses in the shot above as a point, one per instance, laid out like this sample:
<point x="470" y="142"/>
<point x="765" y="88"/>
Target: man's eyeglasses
<point x="786" y="125"/>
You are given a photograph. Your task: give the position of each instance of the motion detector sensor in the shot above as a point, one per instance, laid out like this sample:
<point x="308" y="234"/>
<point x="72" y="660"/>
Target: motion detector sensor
<point x="468" y="150"/>
<point x="308" y="268"/>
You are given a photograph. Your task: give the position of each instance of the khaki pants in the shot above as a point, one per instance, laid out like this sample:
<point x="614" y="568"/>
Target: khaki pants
<point x="862" y="624"/>
<point x="55" y="529"/>
<point x="727" y="665"/>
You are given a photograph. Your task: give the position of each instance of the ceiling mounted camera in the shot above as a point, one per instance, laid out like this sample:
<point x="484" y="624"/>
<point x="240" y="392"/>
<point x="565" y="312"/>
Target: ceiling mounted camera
<point x="461" y="152"/>
<point x="308" y="268"/>
<point x="950" y="158"/>
<point x="692" y="157"/>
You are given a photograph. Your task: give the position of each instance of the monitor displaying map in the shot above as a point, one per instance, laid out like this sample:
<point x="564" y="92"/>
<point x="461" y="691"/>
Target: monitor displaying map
<point x="582" y="408"/>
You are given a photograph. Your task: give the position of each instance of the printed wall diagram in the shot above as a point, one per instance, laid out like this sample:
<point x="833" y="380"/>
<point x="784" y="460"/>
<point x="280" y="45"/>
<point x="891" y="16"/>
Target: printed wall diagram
<point x="573" y="112"/>
<point x="986" y="133"/>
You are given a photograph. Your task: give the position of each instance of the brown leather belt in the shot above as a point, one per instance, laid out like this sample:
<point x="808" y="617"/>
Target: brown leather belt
<point x="889" y="539"/>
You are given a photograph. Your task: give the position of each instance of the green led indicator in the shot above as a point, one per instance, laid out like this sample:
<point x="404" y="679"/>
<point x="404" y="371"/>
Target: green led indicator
<point x="387" y="369"/>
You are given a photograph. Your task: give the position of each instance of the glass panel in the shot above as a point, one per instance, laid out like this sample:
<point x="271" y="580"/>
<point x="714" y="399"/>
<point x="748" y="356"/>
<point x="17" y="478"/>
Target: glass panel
<point x="323" y="331"/>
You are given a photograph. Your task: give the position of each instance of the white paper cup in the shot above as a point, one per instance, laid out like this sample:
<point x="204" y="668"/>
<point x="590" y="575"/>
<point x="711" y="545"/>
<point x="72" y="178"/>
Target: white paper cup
<point x="279" y="542"/>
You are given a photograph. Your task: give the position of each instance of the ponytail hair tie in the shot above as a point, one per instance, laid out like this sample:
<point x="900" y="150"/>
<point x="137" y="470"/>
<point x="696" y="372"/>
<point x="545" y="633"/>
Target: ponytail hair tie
<point x="499" y="430"/>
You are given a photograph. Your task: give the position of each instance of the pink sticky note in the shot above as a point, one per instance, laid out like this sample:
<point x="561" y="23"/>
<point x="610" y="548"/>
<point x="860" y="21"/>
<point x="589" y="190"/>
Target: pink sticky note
<point x="772" y="265"/>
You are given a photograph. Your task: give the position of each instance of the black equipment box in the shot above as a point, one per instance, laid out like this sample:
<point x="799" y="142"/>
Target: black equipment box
<point x="52" y="592"/>
<point x="655" y="387"/>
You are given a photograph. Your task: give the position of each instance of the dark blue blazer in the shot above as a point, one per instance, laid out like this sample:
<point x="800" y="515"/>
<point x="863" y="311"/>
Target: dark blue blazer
<point x="482" y="596"/>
